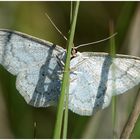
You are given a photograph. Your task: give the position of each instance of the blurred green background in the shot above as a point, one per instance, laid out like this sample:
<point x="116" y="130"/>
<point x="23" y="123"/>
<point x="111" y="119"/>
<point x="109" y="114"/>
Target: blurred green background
<point x="17" y="119"/>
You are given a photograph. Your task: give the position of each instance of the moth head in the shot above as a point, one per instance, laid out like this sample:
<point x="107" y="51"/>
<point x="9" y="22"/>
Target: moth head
<point x="73" y="53"/>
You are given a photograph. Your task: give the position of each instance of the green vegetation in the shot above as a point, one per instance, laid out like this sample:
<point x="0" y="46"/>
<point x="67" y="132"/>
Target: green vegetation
<point x="16" y="117"/>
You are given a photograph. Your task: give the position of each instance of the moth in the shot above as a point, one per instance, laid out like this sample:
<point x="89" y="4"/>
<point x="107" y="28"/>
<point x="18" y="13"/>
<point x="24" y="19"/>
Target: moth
<point x="94" y="77"/>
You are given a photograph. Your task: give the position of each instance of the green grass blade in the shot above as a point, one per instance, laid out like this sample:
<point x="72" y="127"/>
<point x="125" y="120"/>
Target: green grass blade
<point x="67" y="95"/>
<point x="71" y="10"/>
<point x="66" y="116"/>
<point x="65" y="81"/>
<point x="113" y="53"/>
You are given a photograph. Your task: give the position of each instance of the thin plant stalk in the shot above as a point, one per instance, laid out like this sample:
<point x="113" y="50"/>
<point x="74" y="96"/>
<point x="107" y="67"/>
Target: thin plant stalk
<point x="71" y="11"/>
<point x="65" y="81"/>
<point x="113" y="53"/>
<point x="133" y="117"/>
<point x="65" y="127"/>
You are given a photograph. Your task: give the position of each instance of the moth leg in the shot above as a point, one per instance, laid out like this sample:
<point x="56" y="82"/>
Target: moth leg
<point x="60" y="62"/>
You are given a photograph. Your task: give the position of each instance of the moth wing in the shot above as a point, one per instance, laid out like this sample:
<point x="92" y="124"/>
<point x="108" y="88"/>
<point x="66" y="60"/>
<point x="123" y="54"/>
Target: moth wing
<point x="35" y="62"/>
<point x="96" y="77"/>
<point x="19" y="51"/>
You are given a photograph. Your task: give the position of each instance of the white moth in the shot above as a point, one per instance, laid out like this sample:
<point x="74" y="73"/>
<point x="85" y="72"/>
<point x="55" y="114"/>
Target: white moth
<point x="94" y="77"/>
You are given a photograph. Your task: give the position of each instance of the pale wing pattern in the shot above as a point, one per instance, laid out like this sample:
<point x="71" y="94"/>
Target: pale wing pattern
<point x="35" y="62"/>
<point x="95" y="77"/>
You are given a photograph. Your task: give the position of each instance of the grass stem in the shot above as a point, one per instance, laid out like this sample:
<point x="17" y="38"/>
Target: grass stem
<point x="65" y="81"/>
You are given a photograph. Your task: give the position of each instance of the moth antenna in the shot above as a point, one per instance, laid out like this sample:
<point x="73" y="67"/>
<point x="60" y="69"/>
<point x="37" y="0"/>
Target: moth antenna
<point x="56" y="27"/>
<point x="91" y="43"/>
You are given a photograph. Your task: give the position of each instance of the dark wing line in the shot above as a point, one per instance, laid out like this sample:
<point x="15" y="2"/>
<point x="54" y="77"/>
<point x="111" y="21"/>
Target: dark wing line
<point x="37" y="40"/>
